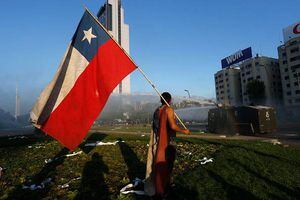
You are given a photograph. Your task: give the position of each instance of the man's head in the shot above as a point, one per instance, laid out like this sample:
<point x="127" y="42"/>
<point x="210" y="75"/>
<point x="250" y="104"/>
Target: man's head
<point x="167" y="96"/>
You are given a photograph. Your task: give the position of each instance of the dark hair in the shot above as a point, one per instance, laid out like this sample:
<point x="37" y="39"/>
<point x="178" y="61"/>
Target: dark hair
<point x="167" y="96"/>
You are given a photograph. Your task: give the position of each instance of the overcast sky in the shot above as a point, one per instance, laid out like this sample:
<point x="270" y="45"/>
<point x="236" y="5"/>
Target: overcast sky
<point x="179" y="44"/>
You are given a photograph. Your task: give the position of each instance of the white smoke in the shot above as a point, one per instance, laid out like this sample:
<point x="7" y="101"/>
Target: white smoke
<point x="142" y="106"/>
<point x="198" y="114"/>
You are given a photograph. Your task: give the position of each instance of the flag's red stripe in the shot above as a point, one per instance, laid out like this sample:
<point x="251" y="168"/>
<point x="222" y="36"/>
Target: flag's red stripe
<point x="73" y="117"/>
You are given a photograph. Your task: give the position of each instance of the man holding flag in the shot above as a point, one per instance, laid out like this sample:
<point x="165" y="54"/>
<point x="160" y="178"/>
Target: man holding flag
<point x="93" y="65"/>
<point x="162" y="152"/>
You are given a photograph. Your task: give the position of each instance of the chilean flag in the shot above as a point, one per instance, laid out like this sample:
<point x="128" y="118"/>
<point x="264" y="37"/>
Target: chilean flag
<point x="93" y="65"/>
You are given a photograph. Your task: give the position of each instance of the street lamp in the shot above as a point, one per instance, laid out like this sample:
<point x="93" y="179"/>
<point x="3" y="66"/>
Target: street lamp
<point x="188" y="93"/>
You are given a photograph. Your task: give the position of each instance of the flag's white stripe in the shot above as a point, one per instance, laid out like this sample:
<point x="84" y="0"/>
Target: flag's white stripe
<point x="42" y="99"/>
<point x="77" y="64"/>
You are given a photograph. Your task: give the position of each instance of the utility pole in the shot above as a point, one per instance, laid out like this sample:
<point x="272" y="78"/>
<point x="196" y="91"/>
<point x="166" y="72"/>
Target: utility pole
<point x="17" y="106"/>
<point x="188" y="93"/>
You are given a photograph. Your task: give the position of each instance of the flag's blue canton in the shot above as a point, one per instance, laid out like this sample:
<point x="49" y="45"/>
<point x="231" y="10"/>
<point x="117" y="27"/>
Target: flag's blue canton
<point x="84" y="47"/>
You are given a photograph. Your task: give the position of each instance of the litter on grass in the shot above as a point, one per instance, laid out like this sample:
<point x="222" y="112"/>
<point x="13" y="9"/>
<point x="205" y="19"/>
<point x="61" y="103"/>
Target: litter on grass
<point x="17" y="137"/>
<point x="50" y="160"/>
<point x="36" y="147"/>
<point x="68" y="155"/>
<point x="205" y="160"/>
<point x="131" y="187"/>
<point x="188" y="153"/>
<point x="38" y="187"/>
<point x="101" y="143"/>
<point x="66" y="185"/>
<point x="275" y="142"/>
<point x="73" y="154"/>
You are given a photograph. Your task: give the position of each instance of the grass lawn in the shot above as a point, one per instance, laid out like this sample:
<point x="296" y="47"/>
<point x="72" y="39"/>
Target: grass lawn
<point x="123" y="128"/>
<point x="241" y="170"/>
<point x="145" y="128"/>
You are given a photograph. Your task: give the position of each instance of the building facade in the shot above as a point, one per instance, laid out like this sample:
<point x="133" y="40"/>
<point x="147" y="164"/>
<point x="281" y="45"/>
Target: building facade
<point x="289" y="62"/>
<point x="228" y="87"/>
<point x="111" y="15"/>
<point x="266" y="70"/>
<point x="281" y="76"/>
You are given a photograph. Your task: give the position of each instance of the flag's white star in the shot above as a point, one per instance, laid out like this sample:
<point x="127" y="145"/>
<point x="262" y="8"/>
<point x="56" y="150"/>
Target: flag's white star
<point x="88" y="35"/>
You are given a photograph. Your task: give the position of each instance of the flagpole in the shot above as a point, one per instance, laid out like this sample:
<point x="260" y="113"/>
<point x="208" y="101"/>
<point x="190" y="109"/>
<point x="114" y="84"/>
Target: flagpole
<point x="141" y="71"/>
<point x="156" y="90"/>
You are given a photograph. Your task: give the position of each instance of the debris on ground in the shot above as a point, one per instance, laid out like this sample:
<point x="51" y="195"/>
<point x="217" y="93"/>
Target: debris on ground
<point x="36" y="147"/>
<point x="50" y="160"/>
<point x="188" y="153"/>
<point x="275" y="142"/>
<point x="17" y="137"/>
<point x="73" y="154"/>
<point x="205" y="160"/>
<point x="134" y="187"/>
<point x="68" y="155"/>
<point x="38" y="187"/>
<point x="99" y="143"/>
<point x="66" y="185"/>
<point x="222" y="136"/>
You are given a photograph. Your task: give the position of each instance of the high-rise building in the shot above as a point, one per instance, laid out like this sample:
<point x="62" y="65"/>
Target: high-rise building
<point x="289" y="61"/>
<point x="111" y="15"/>
<point x="266" y="70"/>
<point x="228" y="87"/>
<point x="231" y="82"/>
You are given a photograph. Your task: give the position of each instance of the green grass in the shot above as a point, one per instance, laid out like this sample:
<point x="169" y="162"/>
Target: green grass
<point x="241" y="170"/>
<point x="124" y="128"/>
<point x="246" y="170"/>
<point x="144" y="128"/>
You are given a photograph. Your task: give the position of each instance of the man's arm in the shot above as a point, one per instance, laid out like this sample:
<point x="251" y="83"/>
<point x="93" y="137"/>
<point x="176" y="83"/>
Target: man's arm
<point x="172" y="122"/>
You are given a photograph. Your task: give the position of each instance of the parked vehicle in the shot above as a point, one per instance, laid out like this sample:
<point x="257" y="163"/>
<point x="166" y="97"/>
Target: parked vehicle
<point x="242" y="120"/>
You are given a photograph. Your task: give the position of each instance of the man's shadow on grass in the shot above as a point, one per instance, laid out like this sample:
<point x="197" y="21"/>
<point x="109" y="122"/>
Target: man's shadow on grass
<point x="92" y="184"/>
<point x="136" y="168"/>
<point x="48" y="171"/>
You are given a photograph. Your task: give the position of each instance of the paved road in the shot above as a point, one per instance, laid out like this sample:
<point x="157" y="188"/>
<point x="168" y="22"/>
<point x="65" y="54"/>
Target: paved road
<point x="16" y="132"/>
<point x="291" y="139"/>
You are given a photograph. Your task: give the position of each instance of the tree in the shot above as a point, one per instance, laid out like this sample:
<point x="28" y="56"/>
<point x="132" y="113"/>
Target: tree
<point x="256" y="91"/>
